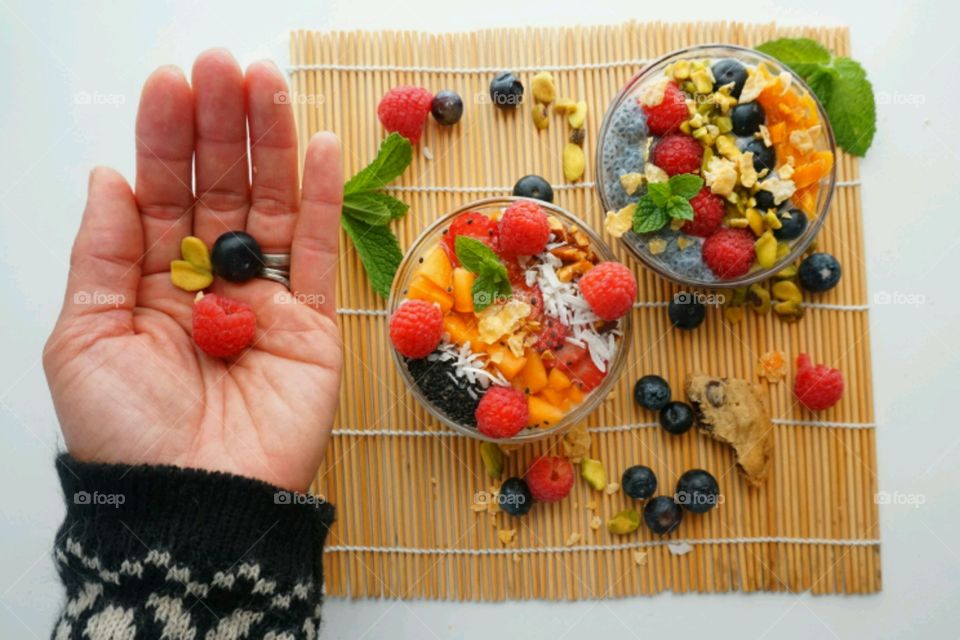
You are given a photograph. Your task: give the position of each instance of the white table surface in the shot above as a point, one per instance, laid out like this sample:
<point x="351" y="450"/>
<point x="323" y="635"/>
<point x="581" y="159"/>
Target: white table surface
<point x="912" y="222"/>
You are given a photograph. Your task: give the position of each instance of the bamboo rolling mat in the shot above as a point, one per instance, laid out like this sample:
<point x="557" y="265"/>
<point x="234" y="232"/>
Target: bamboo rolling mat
<point x="404" y="485"/>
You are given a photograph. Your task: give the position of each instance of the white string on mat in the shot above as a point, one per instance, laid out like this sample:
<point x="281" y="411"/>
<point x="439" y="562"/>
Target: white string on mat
<point x="584" y="66"/>
<point x="494" y="189"/>
<point x="651" y="304"/>
<point x="348" y="548"/>
<point x="426" y="433"/>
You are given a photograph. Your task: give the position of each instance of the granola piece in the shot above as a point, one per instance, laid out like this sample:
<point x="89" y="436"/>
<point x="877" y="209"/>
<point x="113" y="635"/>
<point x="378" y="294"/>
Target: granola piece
<point x="734" y="411"/>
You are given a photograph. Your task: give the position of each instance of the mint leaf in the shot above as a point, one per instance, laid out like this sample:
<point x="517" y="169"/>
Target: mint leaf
<point x="685" y="185"/>
<point x="395" y="208"/>
<point x="393" y="157"/>
<point x="679" y="208"/>
<point x="659" y="193"/>
<point x="367" y="207"/>
<point x="378" y="250"/>
<point x="478" y="257"/>
<point x="793" y="51"/>
<point x="839" y="82"/>
<point x="648" y="216"/>
<point x="489" y="288"/>
<point x="851" y="107"/>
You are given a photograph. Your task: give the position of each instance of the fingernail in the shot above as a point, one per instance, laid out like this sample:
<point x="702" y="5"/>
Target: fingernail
<point x="90" y="178"/>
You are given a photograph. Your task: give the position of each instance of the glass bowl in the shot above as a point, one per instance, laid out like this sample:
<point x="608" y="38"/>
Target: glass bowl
<point x="432" y="235"/>
<point x="617" y="144"/>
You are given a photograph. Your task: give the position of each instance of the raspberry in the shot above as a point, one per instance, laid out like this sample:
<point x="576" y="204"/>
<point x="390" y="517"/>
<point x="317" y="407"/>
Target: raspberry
<point x="524" y="230"/>
<point x="550" y="478"/>
<point x="415" y="328"/>
<point x="474" y="225"/>
<point x="502" y="412"/>
<point x="609" y="288"/>
<point x="678" y="153"/>
<point x="729" y="252"/>
<point x="222" y="327"/>
<point x="553" y="335"/>
<point x="817" y="387"/>
<point x="708" y="212"/>
<point x="667" y="116"/>
<point x="404" y="109"/>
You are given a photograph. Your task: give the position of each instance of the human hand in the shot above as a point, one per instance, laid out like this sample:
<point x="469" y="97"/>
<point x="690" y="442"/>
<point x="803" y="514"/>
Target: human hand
<point x="127" y="381"/>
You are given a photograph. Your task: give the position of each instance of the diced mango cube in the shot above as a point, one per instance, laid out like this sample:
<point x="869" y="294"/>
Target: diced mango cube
<point x="422" y="288"/>
<point x="463" y="290"/>
<point x="542" y="413"/>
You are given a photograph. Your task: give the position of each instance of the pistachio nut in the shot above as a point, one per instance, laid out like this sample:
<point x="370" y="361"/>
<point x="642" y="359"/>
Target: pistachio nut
<point x="759" y="298"/>
<point x="492" y="459"/>
<point x="627" y="521"/>
<point x="574" y="162"/>
<point x="593" y="472"/>
<point x="539" y="113"/>
<point x="578" y="116"/>
<point x="543" y="88"/>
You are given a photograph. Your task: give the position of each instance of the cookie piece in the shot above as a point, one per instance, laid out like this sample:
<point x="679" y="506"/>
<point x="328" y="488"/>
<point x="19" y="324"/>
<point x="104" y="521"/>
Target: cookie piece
<point x="734" y="411"/>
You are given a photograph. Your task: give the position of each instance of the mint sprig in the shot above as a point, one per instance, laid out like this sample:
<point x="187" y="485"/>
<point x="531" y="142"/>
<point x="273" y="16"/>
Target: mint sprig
<point x="492" y="282"/>
<point x="839" y="82"/>
<point x="665" y="201"/>
<point x="367" y="211"/>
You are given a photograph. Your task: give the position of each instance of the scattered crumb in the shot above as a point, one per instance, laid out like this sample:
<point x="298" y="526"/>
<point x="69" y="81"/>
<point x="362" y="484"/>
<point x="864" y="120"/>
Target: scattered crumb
<point x="573" y="539"/>
<point x="433" y="480"/>
<point x="640" y="558"/>
<point x="427" y="153"/>
<point x="773" y="366"/>
<point x="612" y="488"/>
<point x="506" y="536"/>
<point x="592" y="505"/>
<point x="576" y="442"/>
<point x="516" y="558"/>
<point x="596" y="522"/>
<point x="679" y="548"/>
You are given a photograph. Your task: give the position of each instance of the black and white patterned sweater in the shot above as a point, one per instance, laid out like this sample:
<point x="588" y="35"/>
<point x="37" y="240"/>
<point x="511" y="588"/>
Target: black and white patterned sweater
<point x="182" y="554"/>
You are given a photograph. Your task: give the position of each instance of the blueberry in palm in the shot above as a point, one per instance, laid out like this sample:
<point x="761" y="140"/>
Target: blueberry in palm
<point x="236" y="256"/>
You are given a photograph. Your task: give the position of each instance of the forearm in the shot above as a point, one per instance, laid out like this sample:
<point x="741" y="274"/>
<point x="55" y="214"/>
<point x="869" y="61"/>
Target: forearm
<point x="177" y="553"/>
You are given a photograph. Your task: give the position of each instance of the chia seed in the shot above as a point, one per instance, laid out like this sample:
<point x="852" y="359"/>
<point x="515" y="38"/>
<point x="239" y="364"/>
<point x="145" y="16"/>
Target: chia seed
<point x="453" y="395"/>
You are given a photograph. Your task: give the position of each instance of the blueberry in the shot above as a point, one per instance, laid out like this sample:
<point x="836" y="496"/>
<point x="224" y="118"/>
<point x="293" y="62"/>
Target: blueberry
<point x="236" y="256"/>
<point x="639" y="482"/>
<point x="662" y="515"/>
<point x="726" y="71"/>
<point x="652" y="392"/>
<point x="676" y="418"/>
<point x="447" y="107"/>
<point x="793" y="223"/>
<point x="764" y="200"/>
<point x="819" y="272"/>
<point x="697" y="491"/>
<point x="515" y="497"/>
<point x="506" y="90"/>
<point x="747" y="118"/>
<point x="686" y="312"/>
<point x="764" y="157"/>
<point x="533" y="187"/>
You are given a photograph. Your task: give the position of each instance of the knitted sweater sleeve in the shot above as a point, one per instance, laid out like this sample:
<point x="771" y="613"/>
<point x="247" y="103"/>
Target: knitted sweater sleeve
<point x="183" y="554"/>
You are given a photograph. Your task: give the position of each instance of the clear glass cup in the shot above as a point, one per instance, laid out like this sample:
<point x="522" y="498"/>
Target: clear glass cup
<point x="428" y="238"/>
<point x="636" y="244"/>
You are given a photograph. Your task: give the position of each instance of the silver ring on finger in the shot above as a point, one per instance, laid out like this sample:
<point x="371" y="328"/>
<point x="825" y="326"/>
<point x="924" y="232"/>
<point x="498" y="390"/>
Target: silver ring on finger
<point x="277" y="261"/>
<point x="277" y="275"/>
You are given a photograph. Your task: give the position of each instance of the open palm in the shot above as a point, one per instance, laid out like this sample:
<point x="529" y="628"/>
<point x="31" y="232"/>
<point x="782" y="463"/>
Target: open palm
<point x="128" y="384"/>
